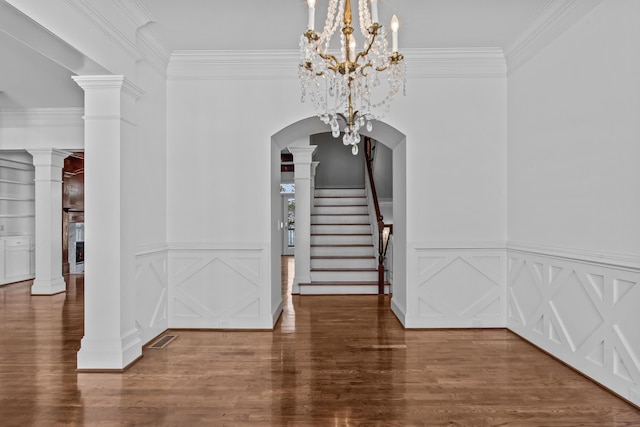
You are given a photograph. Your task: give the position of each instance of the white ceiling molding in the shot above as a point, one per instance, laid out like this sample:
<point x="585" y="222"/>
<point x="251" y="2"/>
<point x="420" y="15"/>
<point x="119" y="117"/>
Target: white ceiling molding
<point x="283" y="64"/>
<point x="41" y="117"/>
<point x="233" y="65"/>
<point x="21" y="28"/>
<point x="455" y="62"/>
<point x="134" y="12"/>
<point x="153" y="47"/>
<point x="553" y="19"/>
<point x="100" y="22"/>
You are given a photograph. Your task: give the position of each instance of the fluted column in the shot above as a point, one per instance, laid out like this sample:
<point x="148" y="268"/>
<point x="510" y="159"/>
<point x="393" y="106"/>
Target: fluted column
<point x="48" y="165"/>
<point x="111" y="339"/>
<point x="302" y="160"/>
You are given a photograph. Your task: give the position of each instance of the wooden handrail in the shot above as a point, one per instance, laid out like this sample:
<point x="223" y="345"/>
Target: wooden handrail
<point x="380" y="220"/>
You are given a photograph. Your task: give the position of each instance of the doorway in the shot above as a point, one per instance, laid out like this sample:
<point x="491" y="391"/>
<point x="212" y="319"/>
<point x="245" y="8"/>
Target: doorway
<point x="299" y="133"/>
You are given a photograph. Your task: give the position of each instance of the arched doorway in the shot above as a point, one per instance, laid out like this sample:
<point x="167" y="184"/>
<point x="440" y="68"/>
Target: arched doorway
<point x="298" y="134"/>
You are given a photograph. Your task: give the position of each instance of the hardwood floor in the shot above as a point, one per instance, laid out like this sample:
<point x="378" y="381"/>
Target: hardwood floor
<point x="331" y="361"/>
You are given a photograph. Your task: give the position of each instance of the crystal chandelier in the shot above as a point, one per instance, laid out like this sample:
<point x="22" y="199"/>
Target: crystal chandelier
<point x="349" y="87"/>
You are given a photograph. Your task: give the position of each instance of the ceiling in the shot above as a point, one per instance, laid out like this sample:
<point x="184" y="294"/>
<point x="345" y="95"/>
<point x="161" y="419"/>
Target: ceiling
<point x="28" y="79"/>
<point x="277" y="24"/>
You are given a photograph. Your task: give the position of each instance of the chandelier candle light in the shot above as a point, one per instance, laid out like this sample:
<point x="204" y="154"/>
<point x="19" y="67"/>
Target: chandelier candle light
<point x="350" y="88"/>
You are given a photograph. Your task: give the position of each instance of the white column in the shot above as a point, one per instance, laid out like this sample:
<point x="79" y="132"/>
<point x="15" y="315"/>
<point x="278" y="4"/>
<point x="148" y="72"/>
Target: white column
<point x="302" y="159"/>
<point x="48" y="185"/>
<point x="111" y="339"/>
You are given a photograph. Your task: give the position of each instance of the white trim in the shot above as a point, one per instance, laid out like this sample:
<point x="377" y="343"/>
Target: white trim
<point x="103" y="24"/>
<point x="398" y="311"/>
<point x="216" y="246"/>
<point x="276" y="314"/>
<point x="455" y="62"/>
<point x="228" y="64"/>
<point x="553" y="19"/>
<point x="283" y="64"/>
<point x="41" y="117"/>
<point x="468" y="244"/>
<point x="151" y="249"/>
<point x="610" y="259"/>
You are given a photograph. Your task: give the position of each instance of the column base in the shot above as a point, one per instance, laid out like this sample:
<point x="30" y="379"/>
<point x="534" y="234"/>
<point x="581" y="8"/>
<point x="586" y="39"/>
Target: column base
<point x="109" y="354"/>
<point x="48" y="287"/>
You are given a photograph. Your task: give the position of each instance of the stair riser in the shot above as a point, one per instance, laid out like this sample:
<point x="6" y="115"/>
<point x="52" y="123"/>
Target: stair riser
<point x="343" y="239"/>
<point x="344" y="263"/>
<point x="339" y="201"/>
<point x="344" y="276"/>
<point x="340" y="290"/>
<point x="340" y="210"/>
<point x="341" y="229"/>
<point x="339" y="219"/>
<point x="341" y="251"/>
<point x="337" y="192"/>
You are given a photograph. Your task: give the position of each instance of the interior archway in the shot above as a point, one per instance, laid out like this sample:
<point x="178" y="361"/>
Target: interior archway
<point x="299" y="133"/>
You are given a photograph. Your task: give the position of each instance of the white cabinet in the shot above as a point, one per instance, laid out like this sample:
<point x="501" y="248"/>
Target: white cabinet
<point x="17" y="259"/>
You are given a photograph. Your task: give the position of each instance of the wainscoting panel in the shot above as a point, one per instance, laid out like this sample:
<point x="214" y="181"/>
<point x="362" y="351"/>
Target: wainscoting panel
<point x="584" y="312"/>
<point x="457" y="288"/>
<point x="219" y="287"/>
<point x="151" y="293"/>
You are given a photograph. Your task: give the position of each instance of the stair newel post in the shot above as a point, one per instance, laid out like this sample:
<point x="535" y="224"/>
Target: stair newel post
<point x="380" y="255"/>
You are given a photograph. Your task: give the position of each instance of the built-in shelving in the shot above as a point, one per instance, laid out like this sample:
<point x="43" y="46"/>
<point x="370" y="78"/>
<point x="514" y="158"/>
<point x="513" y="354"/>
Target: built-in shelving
<point x="17" y="217"/>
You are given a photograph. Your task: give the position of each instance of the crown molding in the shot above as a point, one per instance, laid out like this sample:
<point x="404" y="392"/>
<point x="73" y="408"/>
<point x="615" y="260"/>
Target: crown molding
<point x="101" y="23"/>
<point x="455" y="62"/>
<point x="134" y="12"/>
<point x="41" y="117"/>
<point x="283" y="64"/>
<point x="233" y="65"/>
<point x="156" y="52"/>
<point x="551" y="20"/>
<point x="151" y="45"/>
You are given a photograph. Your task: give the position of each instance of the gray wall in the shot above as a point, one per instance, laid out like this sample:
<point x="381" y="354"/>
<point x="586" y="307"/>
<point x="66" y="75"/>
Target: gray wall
<point x="383" y="171"/>
<point x="338" y="168"/>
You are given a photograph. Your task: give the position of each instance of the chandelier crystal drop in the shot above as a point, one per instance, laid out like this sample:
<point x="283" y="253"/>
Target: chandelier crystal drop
<point x="349" y="85"/>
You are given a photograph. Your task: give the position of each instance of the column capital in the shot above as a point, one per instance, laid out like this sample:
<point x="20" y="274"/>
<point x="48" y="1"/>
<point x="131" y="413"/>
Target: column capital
<point x="303" y="155"/>
<point x="48" y="156"/>
<point x="109" y="82"/>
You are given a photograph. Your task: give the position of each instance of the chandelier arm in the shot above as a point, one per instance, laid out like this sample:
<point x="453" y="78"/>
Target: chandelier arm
<point x="364" y="68"/>
<point x="334" y="61"/>
<point x="373" y="30"/>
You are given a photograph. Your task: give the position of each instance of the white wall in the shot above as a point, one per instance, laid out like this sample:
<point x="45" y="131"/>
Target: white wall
<point x="221" y="115"/>
<point x="573" y="205"/>
<point x="456" y="201"/>
<point x="219" y="197"/>
<point x="149" y="210"/>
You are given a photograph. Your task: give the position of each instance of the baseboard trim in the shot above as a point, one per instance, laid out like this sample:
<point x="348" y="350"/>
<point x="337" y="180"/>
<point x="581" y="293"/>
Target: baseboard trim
<point x="109" y="371"/>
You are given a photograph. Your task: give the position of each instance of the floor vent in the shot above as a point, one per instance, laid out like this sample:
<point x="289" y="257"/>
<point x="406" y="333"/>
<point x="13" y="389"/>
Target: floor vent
<point x="163" y="342"/>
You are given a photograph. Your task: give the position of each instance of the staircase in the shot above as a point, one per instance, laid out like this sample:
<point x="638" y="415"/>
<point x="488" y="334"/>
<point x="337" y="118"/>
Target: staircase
<point x="343" y="259"/>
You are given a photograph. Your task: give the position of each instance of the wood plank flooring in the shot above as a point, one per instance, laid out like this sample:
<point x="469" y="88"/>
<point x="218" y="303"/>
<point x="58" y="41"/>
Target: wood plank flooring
<point x="332" y="361"/>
